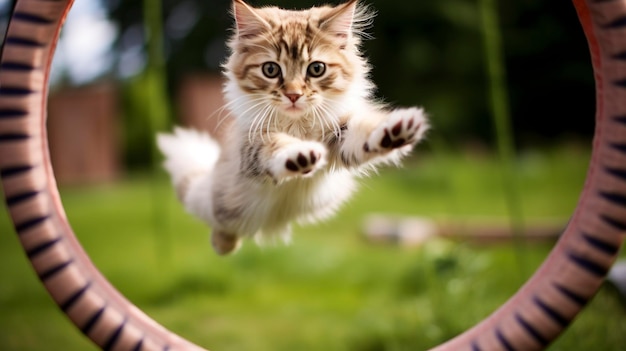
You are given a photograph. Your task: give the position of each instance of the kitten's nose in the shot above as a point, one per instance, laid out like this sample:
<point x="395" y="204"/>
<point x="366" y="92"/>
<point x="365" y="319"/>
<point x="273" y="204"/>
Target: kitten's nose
<point x="293" y="97"/>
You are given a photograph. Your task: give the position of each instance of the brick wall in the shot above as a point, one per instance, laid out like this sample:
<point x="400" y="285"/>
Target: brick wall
<point x="199" y="100"/>
<point x="83" y="133"/>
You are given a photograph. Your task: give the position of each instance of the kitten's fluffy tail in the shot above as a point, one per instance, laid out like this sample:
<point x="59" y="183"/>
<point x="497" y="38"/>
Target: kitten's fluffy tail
<point x="188" y="153"/>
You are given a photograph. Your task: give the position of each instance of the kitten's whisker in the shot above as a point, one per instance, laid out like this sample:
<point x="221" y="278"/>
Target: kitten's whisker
<point x="259" y="121"/>
<point x="252" y="129"/>
<point x="253" y="126"/>
<point x="253" y="107"/>
<point x="223" y="119"/>
<point x="314" y="113"/>
<point x="327" y="117"/>
<point x="225" y="106"/>
<point x="331" y="118"/>
<point x="265" y="117"/>
<point x="270" y="114"/>
<point x="274" y="113"/>
<point x="228" y="106"/>
<point x="252" y="103"/>
<point x="316" y="116"/>
<point x="237" y="100"/>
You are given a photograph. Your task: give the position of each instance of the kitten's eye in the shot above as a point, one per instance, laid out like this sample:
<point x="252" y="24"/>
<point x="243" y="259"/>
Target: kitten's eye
<point x="316" y="69"/>
<point x="271" y="69"/>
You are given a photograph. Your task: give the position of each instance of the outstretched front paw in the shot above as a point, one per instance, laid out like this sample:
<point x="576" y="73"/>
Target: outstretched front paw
<point x="303" y="158"/>
<point x="403" y="127"/>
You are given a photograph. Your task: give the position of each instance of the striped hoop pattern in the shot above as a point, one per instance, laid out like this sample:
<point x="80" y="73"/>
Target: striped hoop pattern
<point x="530" y="320"/>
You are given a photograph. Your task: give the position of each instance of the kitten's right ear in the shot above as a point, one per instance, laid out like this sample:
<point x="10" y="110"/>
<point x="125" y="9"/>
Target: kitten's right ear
<point x="249" y="23"/>
<point x="340" y="19"/>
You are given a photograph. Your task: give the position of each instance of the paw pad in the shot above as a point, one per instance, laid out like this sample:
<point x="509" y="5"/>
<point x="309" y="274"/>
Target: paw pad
<point x="302" y="158"/>
<point x="404" y="127"/>
<point x="302" y="163"/>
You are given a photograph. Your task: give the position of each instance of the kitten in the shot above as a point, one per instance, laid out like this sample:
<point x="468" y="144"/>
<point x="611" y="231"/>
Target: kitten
<point x="303" y="127"/>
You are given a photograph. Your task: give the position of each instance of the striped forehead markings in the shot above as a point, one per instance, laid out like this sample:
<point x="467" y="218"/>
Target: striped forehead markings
<point x="293" y="49"/>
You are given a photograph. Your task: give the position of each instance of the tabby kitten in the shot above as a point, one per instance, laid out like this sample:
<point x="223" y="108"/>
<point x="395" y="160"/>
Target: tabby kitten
<point x="303" y="127"/>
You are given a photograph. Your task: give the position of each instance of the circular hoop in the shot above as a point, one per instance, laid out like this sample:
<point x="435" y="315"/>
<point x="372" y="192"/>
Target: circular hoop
<point x="530" y="320"/>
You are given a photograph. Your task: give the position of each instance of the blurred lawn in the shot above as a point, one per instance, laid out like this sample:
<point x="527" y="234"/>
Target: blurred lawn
<point x="330" y="289"/>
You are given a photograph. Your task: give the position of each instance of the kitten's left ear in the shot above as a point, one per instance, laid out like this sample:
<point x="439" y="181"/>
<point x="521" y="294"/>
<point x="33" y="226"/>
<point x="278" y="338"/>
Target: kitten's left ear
<point x="249" y="23"/>
<point x="340" y="19"/>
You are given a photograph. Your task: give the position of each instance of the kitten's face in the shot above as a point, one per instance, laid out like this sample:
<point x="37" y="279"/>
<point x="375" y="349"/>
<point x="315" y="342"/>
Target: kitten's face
<point x="294" y="62"/>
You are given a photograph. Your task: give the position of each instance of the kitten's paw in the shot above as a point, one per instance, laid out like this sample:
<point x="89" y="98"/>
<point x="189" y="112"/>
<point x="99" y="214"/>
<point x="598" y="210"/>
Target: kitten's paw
<point x="403" y="127"/>
<point x="303" y="158"/>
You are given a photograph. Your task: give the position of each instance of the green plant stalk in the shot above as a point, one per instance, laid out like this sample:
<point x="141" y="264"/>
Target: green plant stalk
<point x="500" y="111"/>
<point x="154" y="75"/>
<point x="158" y="108"/>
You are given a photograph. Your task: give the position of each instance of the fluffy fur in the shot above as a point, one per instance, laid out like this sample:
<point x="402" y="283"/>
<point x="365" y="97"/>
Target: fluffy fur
<point x="303" y="125"/>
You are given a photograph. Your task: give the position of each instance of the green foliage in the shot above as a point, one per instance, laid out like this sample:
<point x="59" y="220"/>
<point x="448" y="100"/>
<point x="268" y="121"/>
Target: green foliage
<point x="146" y="111"/>
<point x="501" y="117"/>
<point x="146" y="103"/>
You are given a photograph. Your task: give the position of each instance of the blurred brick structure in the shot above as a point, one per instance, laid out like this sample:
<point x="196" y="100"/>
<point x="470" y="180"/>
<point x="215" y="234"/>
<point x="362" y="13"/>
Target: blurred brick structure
<point x="199" y="101"/>
<point x="83" y="135"/>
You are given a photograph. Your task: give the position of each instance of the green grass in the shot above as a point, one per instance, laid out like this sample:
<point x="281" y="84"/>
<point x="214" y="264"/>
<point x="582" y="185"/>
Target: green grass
<point x="330" y="289"/>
